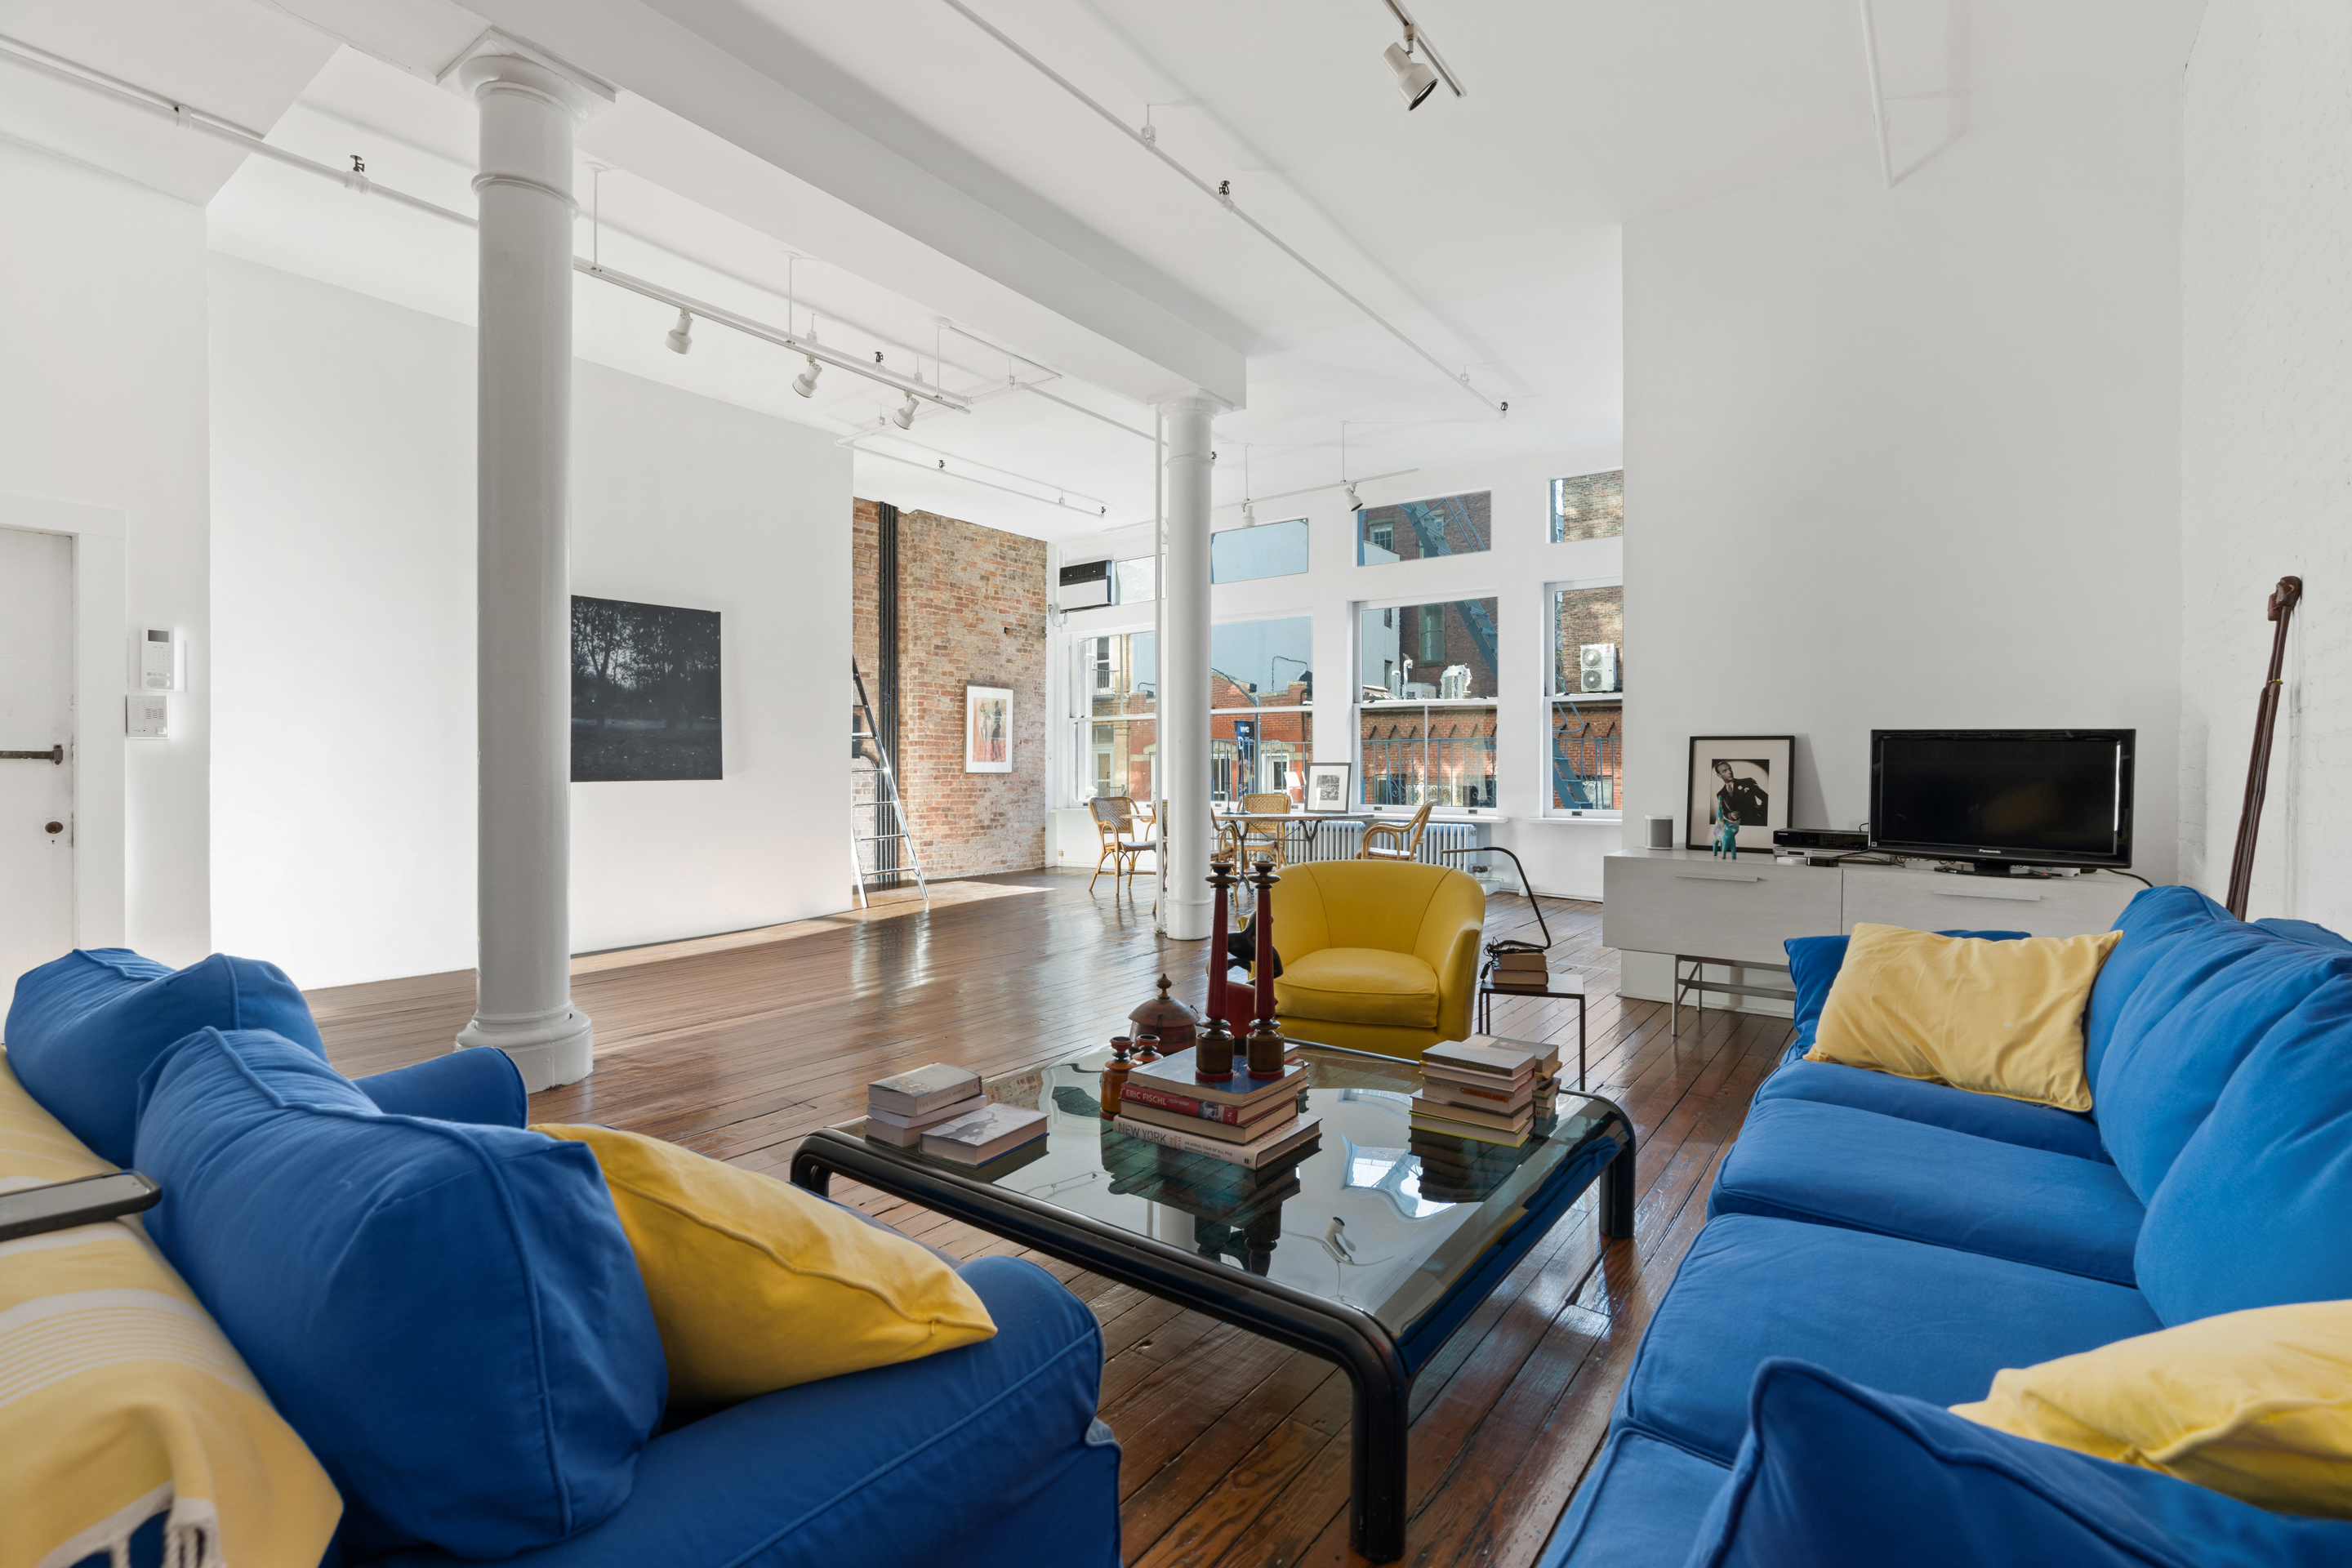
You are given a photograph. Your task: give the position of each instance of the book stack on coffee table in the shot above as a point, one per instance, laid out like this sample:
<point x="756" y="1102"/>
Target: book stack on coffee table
<point x="900" y="1110"/>
<point x="1483" y="1088"/>
<point x="1520" y="969"/>
<point x="1252" y="1122"/>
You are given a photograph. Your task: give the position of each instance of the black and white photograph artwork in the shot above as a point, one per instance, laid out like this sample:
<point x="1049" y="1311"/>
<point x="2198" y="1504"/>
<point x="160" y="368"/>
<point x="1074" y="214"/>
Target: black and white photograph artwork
<point x="1738" y="791"/>
<point x="1327" y="786"/>
<point x="645" y="692"/>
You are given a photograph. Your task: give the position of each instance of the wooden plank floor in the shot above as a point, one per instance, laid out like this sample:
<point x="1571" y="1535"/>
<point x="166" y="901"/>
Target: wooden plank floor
<point x="1235" y="1449"/>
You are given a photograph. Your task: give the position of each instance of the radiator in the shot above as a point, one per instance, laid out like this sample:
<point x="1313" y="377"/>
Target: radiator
<point x="1339" y="840"/>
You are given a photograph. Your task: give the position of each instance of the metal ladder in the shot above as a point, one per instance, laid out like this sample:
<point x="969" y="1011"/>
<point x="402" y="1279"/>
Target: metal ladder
<point x="866" y="743"/>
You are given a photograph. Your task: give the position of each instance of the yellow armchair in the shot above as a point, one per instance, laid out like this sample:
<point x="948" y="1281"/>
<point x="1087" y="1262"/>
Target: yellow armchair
<point x="1377" y="955"/>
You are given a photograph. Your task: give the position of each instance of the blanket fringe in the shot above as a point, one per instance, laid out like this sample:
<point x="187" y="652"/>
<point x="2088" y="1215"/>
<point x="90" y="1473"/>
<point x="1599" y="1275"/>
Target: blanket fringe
<point x="191" y="1534"/>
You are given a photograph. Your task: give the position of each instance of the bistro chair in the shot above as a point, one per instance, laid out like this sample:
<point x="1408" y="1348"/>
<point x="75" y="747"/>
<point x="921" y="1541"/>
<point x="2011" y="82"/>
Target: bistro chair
<point x="1263" y="840"/>
<point x="1394" y="840"/>
<point x="1126" y="834"/>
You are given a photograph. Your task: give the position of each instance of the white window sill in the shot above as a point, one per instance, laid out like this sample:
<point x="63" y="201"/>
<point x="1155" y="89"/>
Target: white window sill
<point x="1590" y="818"/>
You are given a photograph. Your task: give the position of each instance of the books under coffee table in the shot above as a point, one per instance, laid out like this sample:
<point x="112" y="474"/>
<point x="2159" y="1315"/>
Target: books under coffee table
<point x="1305" y="1249"/>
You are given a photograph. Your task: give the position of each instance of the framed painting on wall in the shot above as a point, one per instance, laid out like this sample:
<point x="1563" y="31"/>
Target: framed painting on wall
<point x="1740" y="781"/>
<point x="1327" y="786"/>
<point x="645" y="692"/>
<point x="988" y="728"/>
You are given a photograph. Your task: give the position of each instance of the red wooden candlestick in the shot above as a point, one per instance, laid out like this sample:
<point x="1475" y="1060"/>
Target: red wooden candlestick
<point x="1213" y="1053"/>
<point x="1266" y="1035"/>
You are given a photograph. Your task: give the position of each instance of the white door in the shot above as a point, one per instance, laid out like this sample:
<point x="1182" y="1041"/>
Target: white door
<point x="36" y="717"/>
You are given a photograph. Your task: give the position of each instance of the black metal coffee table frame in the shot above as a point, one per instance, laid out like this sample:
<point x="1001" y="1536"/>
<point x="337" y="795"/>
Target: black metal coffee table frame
<point x="1360" y="1343"/>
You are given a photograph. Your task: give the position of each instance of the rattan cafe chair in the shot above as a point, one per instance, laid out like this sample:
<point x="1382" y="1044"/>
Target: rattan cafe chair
<point x="1394" y="840"/>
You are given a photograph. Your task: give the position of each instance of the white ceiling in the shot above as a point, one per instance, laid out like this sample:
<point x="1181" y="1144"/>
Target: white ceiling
<point x="1486" y="227"/>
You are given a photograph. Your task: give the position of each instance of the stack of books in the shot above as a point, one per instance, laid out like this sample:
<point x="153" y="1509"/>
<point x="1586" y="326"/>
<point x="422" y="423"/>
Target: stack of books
<point x="1483" y="1090"/>
<point x="1251" y="1123"/>
<point x="1520" y="970"/>
<point x="941" y="1110"/>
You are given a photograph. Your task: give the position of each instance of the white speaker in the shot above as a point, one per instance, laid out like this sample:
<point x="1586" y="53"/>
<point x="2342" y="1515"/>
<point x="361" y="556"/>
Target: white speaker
<point x="1596" y="664"/>
<point x="1661" y="832"/>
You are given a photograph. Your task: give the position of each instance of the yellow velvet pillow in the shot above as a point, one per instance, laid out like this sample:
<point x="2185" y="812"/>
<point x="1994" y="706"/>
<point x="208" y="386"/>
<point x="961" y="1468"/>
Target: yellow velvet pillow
<point x="757" y="1284"/>
<point x="2257" y="1405"/>
<point x="2000" y="1017"/>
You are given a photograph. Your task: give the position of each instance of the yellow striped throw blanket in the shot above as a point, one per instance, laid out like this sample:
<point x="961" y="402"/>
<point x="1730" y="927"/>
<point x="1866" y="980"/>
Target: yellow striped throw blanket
<point x="120" y="1399"/>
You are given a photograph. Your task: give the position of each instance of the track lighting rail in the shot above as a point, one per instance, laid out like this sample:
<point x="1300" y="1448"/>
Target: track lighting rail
<point x="1223" y="198"/>
<point x="58" y="69"/>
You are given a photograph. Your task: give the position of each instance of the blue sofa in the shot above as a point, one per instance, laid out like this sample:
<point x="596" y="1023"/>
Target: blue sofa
<point x="990" y="1454"/>
<point x="1878" y="1249"/>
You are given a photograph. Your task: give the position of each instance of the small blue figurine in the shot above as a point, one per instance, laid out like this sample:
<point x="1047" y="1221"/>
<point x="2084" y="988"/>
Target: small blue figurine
<point x="1727" y="835"/>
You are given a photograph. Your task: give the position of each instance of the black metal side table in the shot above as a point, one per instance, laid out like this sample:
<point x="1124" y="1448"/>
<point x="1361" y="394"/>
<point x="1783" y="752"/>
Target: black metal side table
<point x="1488" y="991"/>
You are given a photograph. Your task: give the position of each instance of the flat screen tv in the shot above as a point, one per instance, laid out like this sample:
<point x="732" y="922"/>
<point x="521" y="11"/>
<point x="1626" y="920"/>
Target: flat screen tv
<point x="2004" y="798"/>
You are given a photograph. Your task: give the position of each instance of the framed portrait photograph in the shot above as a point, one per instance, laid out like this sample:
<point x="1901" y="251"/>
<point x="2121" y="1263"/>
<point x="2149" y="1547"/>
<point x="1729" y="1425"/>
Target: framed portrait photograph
<point x="988" y="728"/>
<point x="1327" y="786"/>
<point x="1740" y="783"/>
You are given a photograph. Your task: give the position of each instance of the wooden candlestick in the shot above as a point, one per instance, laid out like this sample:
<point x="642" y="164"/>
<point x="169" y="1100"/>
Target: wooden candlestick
<point x="1213" y="1053"/>
<point x="1114" y="1076"/>
<point x="1266" y="1034"/>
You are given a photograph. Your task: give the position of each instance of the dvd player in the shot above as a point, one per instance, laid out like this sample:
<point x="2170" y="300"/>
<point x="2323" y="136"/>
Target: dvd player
<point x="1817" y="838"/>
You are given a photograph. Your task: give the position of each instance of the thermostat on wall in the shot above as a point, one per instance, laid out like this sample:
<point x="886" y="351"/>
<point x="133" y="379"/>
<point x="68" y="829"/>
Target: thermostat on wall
<point x="159" y="659"/>
<point x="147" y="718"/>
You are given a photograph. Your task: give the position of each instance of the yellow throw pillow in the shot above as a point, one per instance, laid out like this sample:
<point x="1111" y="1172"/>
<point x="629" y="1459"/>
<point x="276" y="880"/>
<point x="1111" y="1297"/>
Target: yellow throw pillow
<point x="2000" y="1017"/>
<point x="2257" y="1405"/>
<point x="757" y="1284"/>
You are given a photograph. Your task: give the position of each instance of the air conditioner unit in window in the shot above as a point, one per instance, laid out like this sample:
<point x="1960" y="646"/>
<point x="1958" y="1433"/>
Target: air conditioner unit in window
<point x="1596" y="664"/>
<point x="1454" y="682"/>
<point x="1084" y="586"/>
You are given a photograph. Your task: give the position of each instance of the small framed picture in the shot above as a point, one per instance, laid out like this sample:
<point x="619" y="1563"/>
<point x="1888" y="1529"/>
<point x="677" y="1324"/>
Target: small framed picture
<point x="988" y="728"/>
<point x="1327" y="786"/>
<point x="1739" y="784"/>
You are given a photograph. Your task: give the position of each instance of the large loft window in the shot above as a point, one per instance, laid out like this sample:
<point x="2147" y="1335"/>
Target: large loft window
<point x="1418" y="530"/>
<point x="1135" y="582"/>
<point x="1116" y="684"/>
<point x="1425" y="710"/>
<point x="1586" y="686"/>
<point x="1261" y="701"/>
<point x="1589" y="506"/>
<point x="1269" y="549"/>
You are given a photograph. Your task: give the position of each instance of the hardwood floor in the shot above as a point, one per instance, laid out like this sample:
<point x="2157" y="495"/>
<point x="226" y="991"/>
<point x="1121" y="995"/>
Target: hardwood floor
<point x="1235" y="1449"/>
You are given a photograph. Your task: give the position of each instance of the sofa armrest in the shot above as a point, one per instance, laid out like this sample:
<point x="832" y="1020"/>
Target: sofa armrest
<point x="1834" y="1474"/>
<point x="1448" y="944"/>
<point x="481" y="1086"/>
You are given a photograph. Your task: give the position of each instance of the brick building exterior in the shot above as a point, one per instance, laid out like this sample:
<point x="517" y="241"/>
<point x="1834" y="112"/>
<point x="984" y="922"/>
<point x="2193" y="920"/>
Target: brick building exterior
<point x="972" y="611"/>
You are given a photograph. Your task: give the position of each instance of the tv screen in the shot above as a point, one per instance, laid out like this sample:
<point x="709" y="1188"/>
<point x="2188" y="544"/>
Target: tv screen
<point x="2024" y="796"/>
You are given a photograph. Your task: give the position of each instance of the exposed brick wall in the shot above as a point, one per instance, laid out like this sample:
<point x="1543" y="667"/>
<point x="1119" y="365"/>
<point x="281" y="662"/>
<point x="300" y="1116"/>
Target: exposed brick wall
<point x="972" y="611"/>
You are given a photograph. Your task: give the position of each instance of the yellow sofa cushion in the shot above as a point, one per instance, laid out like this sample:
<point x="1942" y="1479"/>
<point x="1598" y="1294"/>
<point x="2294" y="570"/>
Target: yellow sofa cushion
<point x="121" y="1399"/>
<point x="757" y="1284"/>
<point x="1999" y="1018"/>
<point x="1358" y="985"/>
<point x="2255" y="1403"/>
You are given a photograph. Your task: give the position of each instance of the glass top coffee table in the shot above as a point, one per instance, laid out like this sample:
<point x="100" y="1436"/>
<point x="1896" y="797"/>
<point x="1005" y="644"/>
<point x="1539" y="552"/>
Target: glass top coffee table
<point x="1369" y="1251"/>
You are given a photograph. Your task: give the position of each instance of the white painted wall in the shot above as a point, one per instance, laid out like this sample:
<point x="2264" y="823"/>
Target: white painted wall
<point x="1911" y="457"/>
<point x="1562" y="858"/>
<point x="343" y="539"/>
<point x="102" y="403"/>
<point x="2265" y="468"/>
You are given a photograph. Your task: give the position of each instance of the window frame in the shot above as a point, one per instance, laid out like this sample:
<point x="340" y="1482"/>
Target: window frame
<point x="1358" y="706"/>
<point x="1256" y="711"/>
<point x="1551" y="695"/>
<point x="1360" y="525"/>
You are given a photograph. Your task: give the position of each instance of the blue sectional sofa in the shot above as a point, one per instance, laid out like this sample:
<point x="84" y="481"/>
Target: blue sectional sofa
<point x="989" y="1454"/>
<point x="1878" y="1249"/>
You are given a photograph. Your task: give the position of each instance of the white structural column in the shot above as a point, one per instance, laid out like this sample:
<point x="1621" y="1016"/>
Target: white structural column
<point x="1184" y="704"/>
<point x="523" y="1002"/>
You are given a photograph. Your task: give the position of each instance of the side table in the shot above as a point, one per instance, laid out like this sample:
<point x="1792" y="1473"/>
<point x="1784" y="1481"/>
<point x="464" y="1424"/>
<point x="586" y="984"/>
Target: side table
<point x="1488" y="991"/>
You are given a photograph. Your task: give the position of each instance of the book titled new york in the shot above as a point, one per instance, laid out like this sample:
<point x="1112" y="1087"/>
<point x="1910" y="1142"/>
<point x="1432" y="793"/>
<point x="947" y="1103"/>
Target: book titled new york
<point x="925" y="1088"/>
<point x="1175" y="1075"/>
<point x="1168" y="1099"/>
<point x="1292" y="1139"/>
<point x="991" y="1130"/>
<point x="1223" y="1132"/>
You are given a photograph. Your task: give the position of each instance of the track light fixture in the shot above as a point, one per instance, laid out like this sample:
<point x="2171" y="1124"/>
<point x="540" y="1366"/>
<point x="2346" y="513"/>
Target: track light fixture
<point x="805" y="383"/>
<point x="1415" y="80"/>
<point x="1249" y="515"/>
<point x="1355" y="501"/>
<point x="681" y="336"/>
<point x="903" y="417"/>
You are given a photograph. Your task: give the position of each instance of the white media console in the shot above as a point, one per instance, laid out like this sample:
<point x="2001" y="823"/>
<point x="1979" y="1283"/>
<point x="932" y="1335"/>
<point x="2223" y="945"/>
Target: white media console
<point x="1659" y="906"/>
